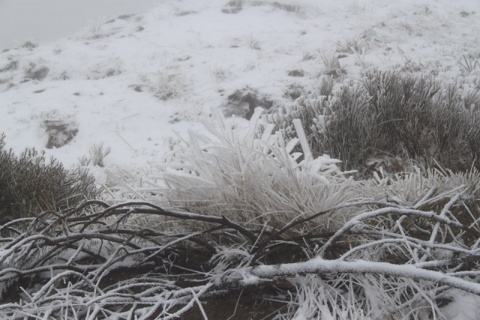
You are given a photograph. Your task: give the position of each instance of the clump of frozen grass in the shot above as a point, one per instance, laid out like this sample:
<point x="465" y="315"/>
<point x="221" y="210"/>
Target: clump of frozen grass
<point x="98" y="153"/>
<point x="441" y="184"/>
<point x="469" y="64"/>
<point x="317" y="299"/>
<point x="164" y="85"/>
<point x="332" y="66"/>
<point x="106" y="69"/>
<point x="94" y="31"/>
<point x="355" y="296"/>
<point x="410" y="186"/>
<point x="167" y="86"/>
<point x="254" y="43"/>
<point x="252" y="176"/>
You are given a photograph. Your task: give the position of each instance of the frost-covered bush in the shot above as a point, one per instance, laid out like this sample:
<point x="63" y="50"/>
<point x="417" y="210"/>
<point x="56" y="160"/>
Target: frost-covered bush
<point x="388" y="115"/>
<point x="310" y="110"/>
<point x="30" y="184"/>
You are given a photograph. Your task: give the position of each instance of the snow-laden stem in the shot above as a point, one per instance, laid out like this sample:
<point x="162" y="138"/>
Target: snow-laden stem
<point x="322" y="266"/>
<point x="382" y="212"/>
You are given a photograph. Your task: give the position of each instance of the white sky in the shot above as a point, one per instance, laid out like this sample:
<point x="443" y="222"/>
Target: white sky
<point x="47" y="20"/>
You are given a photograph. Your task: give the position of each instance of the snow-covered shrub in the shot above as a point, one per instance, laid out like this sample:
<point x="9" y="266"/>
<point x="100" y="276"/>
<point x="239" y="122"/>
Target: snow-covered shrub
<point x="402" y="116"/>
<point x="29" y="184"/>
<point x="233" y="7"/>
<point x="60" y="132"/>
<point x="311" y="110"/>
<point x="391" y="115"/>
<point x="97" y="154"/>
<point x="35" y="72"/>
<point x="326" y="86"/>
<point x="243" y="102"/>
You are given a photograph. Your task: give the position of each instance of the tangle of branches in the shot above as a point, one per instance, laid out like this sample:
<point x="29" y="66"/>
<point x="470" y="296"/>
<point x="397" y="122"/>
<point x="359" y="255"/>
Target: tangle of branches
<point x="98" y="261"/>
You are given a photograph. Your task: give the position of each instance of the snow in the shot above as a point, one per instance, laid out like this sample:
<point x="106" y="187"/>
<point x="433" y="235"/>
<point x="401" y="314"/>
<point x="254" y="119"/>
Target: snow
<point x="136" y="83"/>
<point x="464" y="307"/>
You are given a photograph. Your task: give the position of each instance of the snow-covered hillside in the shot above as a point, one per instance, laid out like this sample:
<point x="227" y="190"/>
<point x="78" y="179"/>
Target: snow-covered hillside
<point x="133" y="82"/>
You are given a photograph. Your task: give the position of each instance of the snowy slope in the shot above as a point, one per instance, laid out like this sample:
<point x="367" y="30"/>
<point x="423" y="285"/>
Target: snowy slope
<point x="132" y="82"/>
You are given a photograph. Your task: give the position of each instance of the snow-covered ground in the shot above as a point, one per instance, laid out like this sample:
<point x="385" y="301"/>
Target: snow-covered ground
<point x="136" y="82"/>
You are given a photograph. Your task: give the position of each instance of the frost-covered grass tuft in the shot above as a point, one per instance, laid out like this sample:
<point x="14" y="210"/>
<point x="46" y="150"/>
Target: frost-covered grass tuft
<point x="253" y="176"/>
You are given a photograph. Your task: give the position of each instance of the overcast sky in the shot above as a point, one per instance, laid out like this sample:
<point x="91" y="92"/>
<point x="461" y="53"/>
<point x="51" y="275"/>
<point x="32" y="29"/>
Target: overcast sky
<point x="48" y="20"/>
